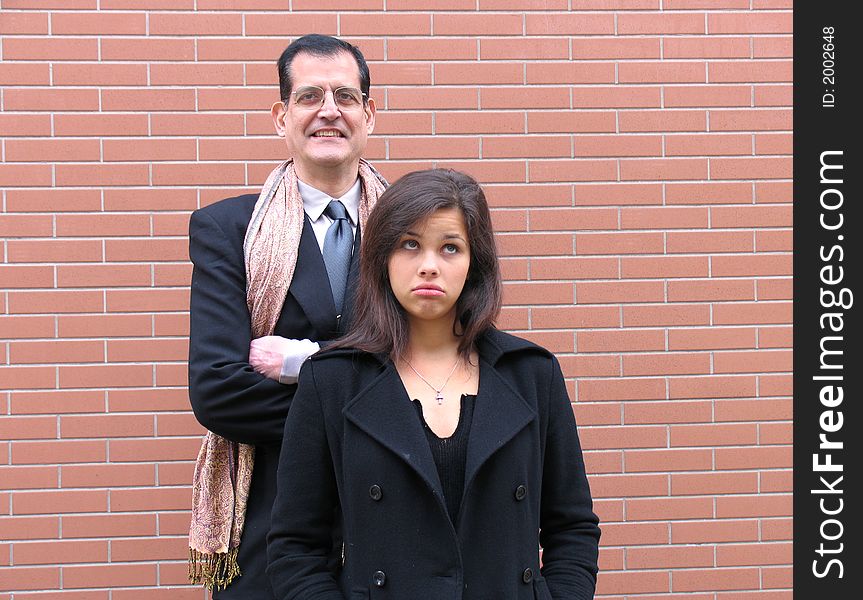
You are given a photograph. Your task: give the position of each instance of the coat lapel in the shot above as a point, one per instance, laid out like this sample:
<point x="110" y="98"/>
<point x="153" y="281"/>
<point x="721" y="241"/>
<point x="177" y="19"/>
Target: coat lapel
<point x="351" y="288"/>
<point x="310" y="285"/>
<point x="384" y="411"/>
<point x="499" y="414"/>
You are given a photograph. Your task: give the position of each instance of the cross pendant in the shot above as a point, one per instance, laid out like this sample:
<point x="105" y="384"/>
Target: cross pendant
<point x="439" y="398"/>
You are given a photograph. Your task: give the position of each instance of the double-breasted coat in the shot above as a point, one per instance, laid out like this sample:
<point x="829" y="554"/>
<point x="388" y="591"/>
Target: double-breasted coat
<point x="227" y="395"/>
<point x="354" y="450"/>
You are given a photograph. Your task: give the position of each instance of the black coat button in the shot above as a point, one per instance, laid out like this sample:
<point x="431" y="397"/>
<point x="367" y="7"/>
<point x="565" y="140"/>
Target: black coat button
<point x="375" y="492"/>
<point x="520" y="492"/>
<point x="379" y="578"/>
<point x="527" y="575"/>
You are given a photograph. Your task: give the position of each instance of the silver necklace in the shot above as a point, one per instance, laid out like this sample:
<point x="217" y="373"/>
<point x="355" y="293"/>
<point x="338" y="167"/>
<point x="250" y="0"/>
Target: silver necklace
<point x="438" y="392"/>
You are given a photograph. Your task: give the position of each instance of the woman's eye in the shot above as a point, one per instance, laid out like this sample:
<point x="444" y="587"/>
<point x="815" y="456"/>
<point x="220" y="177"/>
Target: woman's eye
<point x="410" y="244"/>
<point x="450" y="248"/>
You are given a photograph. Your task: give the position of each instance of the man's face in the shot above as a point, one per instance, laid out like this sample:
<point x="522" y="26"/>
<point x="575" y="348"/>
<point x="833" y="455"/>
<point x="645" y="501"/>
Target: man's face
<point x="324" y="138"/>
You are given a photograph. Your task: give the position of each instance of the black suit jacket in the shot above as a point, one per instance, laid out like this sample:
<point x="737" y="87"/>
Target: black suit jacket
<point x="354" y="443"/>
<point x="228" y="397"/>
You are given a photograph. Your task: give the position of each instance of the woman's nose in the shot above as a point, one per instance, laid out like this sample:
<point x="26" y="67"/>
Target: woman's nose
<point x="429" y="266"/>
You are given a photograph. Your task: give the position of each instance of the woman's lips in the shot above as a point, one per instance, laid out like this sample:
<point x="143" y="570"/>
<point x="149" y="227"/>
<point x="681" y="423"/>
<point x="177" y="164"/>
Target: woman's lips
<point x="428" y="291"/>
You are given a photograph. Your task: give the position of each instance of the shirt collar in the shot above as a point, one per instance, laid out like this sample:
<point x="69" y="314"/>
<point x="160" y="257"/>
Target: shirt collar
<point x="315" y="201"/>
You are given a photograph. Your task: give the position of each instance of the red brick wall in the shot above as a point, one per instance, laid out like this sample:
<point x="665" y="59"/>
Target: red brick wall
<point x="637" y="154"/>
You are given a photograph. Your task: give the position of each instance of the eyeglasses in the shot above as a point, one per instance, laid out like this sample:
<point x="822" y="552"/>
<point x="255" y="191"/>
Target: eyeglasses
<point x="312" y="97"/>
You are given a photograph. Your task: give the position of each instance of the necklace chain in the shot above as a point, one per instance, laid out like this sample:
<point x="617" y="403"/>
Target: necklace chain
<point x="438" y="392"/>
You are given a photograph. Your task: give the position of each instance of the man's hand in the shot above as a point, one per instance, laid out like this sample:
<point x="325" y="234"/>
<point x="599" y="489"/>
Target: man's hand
<point x="280" y="358"/>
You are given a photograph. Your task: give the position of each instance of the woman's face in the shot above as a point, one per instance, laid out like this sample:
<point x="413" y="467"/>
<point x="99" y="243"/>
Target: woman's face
<point x="429" y="266"/>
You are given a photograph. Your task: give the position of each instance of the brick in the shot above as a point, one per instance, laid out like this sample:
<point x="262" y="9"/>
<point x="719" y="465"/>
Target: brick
<point x="662" y="72"/>
<point x="103" y="276"/>
<point x="750" y="120"/>
<point x="55" y="402"/>
<point x="23" y="478"/>
<point x="573" y="268"/>
<point x="154" y="300"/>
<point x="98" y="476"/>
<point x="624" y="437"/>
<point x="127" y="150"/>
<point x="569" y="72"/>
<point x="574" y="316"/>
<point x="597" y="414"/>
<point x="109" y="575"/>
<point x="669" y="460"/>
<point x="666" y="363"/>
<point x="45" y="250"/>
<point x="150" y="499"/>
<point x="612" y="146"/>
<point x="733" y="555"/>
<point x="712" y="338"/>
<point x="24" y="23"/>
<point x="178" y="425"/>
<point x="618" y="194"/>
<point x="708" y="193"/>
<point x="774" y="385"/>
<point x="629" y="388"/>
<point x="521" y="97"/>
<point x="433" y="49"/>
<point x="197" y="24"/>
<point x="634" y="582"/>
<point x="147" y="350"/>
<point x="720" y="289"/>
<point x="775" y="433"/>
<point x="773" y="143"/>
<point x="27" y="377"/>
<point x="590" y="366"/>
<point x="701" y="242"/>
<point x="705" y="47"/>
<point x="713" y="435"/>
<point x="19" y="276"/>
<point x="542" y="48"/>
<point x="675" y="411"/>
<point x="662" y="121"/>
<point x="143" y="49"/>
<point x="660" y="24"/>
<point x="197" y="124"/>
<point x="714" y="532"/>
<point x="105" y="375"/>
<point x="25" y="74"/>
<point x="285" y="23"/>
<point x="106" y="426"/>
<point x="247" y="49"/>
<point x="663" y="218"/>
<point x="620" y="340"/>
<point x="768" y="264"/>
<point x="198" y="174"/>
<point x="31" y="578"/>
<point x="770" y="192"/>
<point x="777" y="577"/>
<point x="616" y="97"/>
<point x="338" y="4"/>
<point x="669" y="557"/>
<point x="715" y="579"/>
<point x="47" y="48"/>
<point x="699" y="484"/>
<point x="28" y="175"/>
<point x="775" y="337"/>
<point x="434" y="147"/>
<point x="752" y="362"/>
<point x="54" y="452"/>
<point x="663" y="169"/>
<point x="753" y="458"/>
<point x="25" y="125"/>
<point x="109" y="526"/>
<point x="773" y="47"/>
<point x="571" y="122"/>
<point x="29" y="528"/>
<point x="615" y="48"/>
<point x="478" y="122"/>
<point x="99" y="23"/>
<point x="60" y="552"/>
<point x="519" y="146"/>
<point x="661" y="509"/>
<point x="750" y="168"/>
<point x="56" y="351"/>
<point x="54" y="502"/>
<point x="102" y="175"/>
<point x="104" y="325"/>
<point x="573" y="219"/>
<point x="751" y="216"/>
<point x="150" y="549"/>
<point x="149" y="99"/>
<point x="55" y="301"/>
<point x="749" y="22"/>
<point x="617" y="486"/>
<point x="776" y="529"/>
<point x="26" y="226"/>
<point x="773" y="95"/>
<point x="537" y="293"/>
<point x="406" y="24"/>
<point x="568" y="24"/>
<point x="573" y="170"/>
<point x="613" y="292"/>
<point x="154" y="449"/>
<point x="708" y="145"/>
<point x="15" y="327"/>
<point x="712" y="387"/>
<point x="433" y="5"/>
<point x="619" y="243"/>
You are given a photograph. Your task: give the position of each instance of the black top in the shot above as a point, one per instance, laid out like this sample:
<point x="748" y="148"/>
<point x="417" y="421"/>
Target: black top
<point x="450" y="454"/>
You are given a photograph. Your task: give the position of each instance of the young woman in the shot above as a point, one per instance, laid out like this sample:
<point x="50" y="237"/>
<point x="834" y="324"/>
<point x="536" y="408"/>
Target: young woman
<point x="427" y="455"/>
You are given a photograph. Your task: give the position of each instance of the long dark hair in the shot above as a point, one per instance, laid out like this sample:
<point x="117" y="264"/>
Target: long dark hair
<point x="380" y="324"/>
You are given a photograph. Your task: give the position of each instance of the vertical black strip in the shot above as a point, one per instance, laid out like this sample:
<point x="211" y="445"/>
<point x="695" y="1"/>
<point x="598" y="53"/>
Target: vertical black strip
<point x="827" y="301"/>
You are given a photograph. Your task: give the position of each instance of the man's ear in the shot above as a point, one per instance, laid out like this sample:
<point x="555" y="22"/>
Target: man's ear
<point x="278" y="111"/>
<point x="369" y="109"/>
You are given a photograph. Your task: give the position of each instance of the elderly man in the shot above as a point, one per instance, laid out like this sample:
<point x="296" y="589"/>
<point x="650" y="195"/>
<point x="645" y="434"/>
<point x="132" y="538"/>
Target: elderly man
<point x="272" y="278"/>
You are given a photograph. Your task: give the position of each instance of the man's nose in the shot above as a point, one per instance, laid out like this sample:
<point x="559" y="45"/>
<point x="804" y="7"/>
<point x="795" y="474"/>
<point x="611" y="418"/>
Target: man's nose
<point x="329" y="109"/>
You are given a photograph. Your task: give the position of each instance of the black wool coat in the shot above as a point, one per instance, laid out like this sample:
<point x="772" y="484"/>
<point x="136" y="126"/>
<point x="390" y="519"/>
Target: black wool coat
<point x="227" y="395"/>
<point x="354" y="452"/>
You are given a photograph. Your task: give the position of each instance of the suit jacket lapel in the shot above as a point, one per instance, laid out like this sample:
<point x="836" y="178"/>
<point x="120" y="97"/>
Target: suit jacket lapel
<point x="351" y="288"/>
<point x="384" y="411"/>
<point x="499" y="414"/>
<point x="310" y="285"/>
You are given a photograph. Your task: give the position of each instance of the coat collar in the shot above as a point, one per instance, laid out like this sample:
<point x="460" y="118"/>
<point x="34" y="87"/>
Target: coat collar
<point x="383" y="410"/>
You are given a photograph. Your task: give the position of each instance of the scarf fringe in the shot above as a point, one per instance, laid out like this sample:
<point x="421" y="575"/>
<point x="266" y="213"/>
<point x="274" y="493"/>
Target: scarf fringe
<point x="213" y="571"/>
